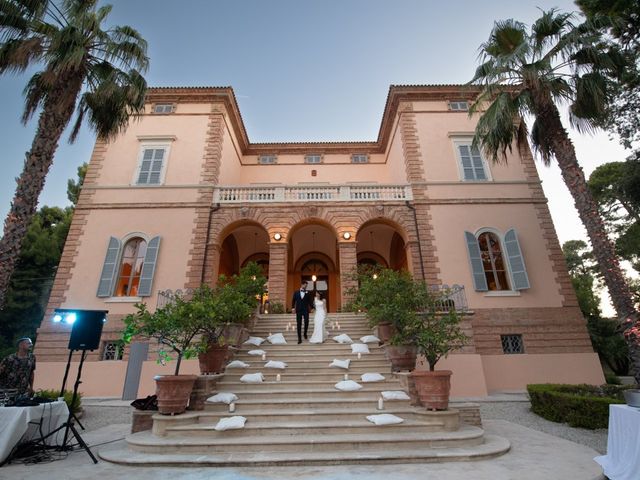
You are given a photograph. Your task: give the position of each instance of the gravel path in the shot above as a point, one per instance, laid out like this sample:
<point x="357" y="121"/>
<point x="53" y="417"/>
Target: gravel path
<point x="520" y="413"/>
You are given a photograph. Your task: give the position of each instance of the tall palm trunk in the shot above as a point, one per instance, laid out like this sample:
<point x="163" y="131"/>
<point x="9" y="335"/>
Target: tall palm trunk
<point x="57" y="111"/>
<point x="603" y="248"/>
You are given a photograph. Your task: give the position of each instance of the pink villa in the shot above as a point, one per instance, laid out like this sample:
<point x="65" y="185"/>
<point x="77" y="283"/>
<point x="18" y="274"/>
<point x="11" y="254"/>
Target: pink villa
<point x="183" y="196"/>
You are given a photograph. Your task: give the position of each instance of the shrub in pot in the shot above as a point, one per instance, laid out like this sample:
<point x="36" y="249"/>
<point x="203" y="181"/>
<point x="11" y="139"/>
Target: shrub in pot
<point x="175" y="326"/>
<point x="436" y="334"/>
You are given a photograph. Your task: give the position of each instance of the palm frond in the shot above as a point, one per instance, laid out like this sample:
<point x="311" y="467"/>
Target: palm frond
<point x="497" y="127"/>
<point x="540" y="141"/>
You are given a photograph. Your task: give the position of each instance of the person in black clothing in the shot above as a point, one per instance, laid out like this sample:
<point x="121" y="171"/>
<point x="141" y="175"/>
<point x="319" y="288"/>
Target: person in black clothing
<point x="301" y="304"/>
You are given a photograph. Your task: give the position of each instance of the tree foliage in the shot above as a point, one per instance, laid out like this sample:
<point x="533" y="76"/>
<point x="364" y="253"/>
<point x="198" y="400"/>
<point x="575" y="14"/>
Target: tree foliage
<point x="82" y="67"/>
<point x="616" y="188"/>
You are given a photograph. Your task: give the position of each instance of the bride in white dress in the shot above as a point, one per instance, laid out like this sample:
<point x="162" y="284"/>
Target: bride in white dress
<point x="318" y="319"/>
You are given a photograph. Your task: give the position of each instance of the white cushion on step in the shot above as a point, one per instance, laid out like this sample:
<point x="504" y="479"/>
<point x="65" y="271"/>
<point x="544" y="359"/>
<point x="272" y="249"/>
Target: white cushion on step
<point x="359" y="348"/>
<point x="252" y="378"/>
<point x="340" y="363"/>
<point x="257" y="341"/>
<point x="395" y="395"/>
<point x="384" y="419"/>
<point x="348" y="386"/>
<point x="275" y="364"/>
<point x="277" y="339"/>
<point x="231" y="423"/>
<point x="256" y="352"/>
<point x="343" y="338"/>
<point x="223" y="397"/>
<point x="369" y="339"/>
<point x="371" y="377"/>
<point x="237" y="364"/>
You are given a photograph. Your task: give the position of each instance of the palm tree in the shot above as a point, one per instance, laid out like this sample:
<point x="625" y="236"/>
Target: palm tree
<point x="79" y="71"/>
<point x="527" y="74"/>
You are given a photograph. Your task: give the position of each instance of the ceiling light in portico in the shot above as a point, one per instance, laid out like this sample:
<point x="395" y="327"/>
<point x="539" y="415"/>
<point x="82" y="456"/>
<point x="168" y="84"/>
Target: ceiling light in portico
<point x="277" y="237"/>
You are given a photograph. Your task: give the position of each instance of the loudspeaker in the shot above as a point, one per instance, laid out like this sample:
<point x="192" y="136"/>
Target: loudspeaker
<point x="87" y="329"/>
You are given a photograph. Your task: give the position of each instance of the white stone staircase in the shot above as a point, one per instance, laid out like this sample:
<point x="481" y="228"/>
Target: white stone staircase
<point x="302" y="419"/>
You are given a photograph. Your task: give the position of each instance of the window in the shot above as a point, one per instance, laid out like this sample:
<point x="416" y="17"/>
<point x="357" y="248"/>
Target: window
<point x="112" y="351"/>
<point x="163" y="108"/>
<point x="267" y="159"/>
<point x="471" y="164"/>
<point x="152" y="165"/>
<point x="512" y="344"/>
<point x="497" y="263"/>
<point x="130" y="270"/>
<point x="493" y="261"/>
<point x="459" y="106"/>
<point x="129" y="267"/>
<point x="313" y="158"/>
<point x="359" y="158"/>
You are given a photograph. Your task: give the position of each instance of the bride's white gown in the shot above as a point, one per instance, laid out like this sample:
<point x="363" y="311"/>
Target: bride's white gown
<point x="318" y="322"/>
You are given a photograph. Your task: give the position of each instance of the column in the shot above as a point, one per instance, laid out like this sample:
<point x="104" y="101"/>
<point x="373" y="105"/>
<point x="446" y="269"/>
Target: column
<point x="278" y="273"/>
<point x="347" y="251"/>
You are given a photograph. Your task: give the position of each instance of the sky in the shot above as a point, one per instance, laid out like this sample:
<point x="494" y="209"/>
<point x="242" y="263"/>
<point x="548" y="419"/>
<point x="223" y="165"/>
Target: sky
<point x="303" y="70"/>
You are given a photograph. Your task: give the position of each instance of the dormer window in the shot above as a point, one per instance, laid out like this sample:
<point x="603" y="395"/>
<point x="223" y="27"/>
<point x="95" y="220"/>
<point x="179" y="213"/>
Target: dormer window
<point x="459" y="106"/>
<point x="163" y="108"/>
<point x="359" y="158"/>
<point x="313" y="158"/>
<point x="267" y="159"/>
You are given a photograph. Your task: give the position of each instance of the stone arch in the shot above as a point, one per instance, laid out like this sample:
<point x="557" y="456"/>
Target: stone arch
<point x="382" y="239"/>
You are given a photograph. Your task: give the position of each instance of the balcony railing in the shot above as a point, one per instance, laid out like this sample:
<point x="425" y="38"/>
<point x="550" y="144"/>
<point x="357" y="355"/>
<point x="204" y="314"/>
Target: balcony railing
<point x="167" y="296"/>
<point x="315" y="193"/>
<point x="450" y="297"/>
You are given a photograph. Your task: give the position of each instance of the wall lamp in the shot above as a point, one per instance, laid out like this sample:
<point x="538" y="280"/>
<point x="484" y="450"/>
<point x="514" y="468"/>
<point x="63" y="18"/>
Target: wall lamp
<point x="346" y="235"/>
<point x="277" y="237"/>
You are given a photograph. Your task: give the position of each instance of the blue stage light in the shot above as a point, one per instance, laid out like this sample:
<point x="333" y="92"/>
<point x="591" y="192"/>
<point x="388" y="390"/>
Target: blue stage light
<point x="70" y="318"/>
<point x="57" y="318"/>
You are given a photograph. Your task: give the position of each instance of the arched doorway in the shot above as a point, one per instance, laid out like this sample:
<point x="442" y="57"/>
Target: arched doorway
<point x="313" y="255"/>
<point x="381" y="244"/>
<point x="244" y="243"/>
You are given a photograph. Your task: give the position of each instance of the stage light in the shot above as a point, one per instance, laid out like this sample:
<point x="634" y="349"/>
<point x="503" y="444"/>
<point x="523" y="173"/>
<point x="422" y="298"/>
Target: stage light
<point x="57" y="318"/>
<point x="71" y="318"/>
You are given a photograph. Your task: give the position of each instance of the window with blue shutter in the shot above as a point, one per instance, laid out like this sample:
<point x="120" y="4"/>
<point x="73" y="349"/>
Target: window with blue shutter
<point x="151" y="165"/>
<point x="475" y="261"/>
<point x="472" y="165"/>
<point x="149" y="267"/>
<point x="516" y="261"/>
<point x="105" y="285"/>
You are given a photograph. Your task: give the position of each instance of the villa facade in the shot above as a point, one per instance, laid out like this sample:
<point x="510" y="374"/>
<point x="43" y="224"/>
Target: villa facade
<point x="184" y="196"/>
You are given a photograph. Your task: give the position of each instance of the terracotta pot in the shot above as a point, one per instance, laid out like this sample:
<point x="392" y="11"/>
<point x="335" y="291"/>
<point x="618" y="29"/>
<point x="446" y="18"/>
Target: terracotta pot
<point x="385" y="331"/>
<point x="214" y="359"/>
<point x="402" y="357"/>
<point x="433" y="388"/>
<point x="173" y="392"/>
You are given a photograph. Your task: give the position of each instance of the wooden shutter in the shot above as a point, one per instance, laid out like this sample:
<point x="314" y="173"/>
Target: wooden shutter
<point x="475" y="261"/>
<point x="149" y="267"/>
<point x="516" y="262"/>
<point x="109" y="270"/>
<point x="151" y="166"/>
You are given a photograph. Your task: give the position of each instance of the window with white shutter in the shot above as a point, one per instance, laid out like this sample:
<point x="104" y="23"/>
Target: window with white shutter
<point x="472" y="167"/>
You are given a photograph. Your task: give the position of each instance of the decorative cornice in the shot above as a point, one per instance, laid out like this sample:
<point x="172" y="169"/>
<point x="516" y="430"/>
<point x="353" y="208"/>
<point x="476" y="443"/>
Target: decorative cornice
<point x="396" y="95"/>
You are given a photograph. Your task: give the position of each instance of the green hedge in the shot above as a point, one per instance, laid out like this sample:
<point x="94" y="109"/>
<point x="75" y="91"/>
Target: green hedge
<point x="584" y="406"/>
<point x="68" y="396"/>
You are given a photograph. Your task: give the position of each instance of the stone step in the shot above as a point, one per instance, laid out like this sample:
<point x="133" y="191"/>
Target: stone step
<point x="295" y="392"/>
<point x="317" y="404"/>
<point x="377" y="437"/>
<point x="310" y="416"/>
<point x="320" y="363"/>
<point x="332" y="376"/>
<point x="289" y="385"/>
<point x="305" y="348"/>
<point x="291" y="357"/>
<point x="286" y="426"/>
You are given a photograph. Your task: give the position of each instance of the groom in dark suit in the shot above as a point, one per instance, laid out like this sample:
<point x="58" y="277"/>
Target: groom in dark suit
<point x="301" y="304"/>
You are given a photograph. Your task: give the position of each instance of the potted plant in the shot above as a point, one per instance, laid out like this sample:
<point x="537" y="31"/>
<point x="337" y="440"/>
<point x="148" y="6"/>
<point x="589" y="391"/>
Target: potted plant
<point x="391" y="299"/>
<point x="175" y="326"/>
<point x="248" y="287"/>
<point x="436" y="334"/>
<point x="223" y="307"/>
